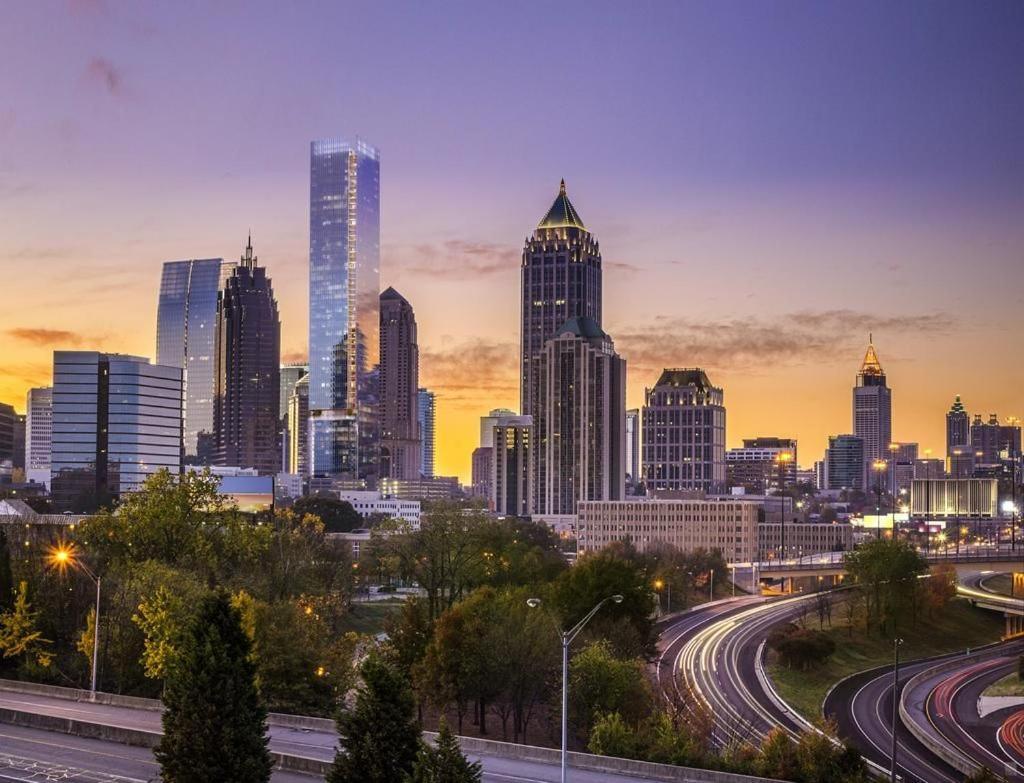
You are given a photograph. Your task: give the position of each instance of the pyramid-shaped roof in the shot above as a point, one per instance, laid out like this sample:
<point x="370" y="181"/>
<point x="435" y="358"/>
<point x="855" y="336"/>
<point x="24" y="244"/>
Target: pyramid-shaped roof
<point x="582" y="326"/>
<point x="562" y="213"/>
<point x="871" y="365"/>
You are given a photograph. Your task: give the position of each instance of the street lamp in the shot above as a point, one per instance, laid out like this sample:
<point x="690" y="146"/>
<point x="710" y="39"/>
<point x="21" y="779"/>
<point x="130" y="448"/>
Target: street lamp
<point x="893" y="460"/>
<point x="658" y="585"/>
<point x="61" y="557"/>
<point x="567" y="637"/>
<point x="896" y="644"/>
<point x="878" y="466"/>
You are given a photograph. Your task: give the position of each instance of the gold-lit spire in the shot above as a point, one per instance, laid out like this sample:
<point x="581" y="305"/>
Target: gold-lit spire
<point x="562" y="213"/>
<point x="871" y="365"/>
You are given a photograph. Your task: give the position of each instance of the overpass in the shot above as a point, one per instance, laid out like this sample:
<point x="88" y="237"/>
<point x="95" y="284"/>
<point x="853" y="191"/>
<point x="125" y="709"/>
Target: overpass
<point x="832" y="564"/>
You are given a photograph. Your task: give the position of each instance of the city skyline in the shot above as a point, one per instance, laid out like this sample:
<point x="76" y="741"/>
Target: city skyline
<point x="765" y="256"/>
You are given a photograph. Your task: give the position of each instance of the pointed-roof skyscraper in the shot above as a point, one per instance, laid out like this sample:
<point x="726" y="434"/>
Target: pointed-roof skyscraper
<point x="872" y="411"/>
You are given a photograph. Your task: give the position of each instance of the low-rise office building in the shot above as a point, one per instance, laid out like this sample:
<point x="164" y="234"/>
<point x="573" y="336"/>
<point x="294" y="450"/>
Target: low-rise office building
<point x="802" y="538"/>
<point x="373" y="504"/>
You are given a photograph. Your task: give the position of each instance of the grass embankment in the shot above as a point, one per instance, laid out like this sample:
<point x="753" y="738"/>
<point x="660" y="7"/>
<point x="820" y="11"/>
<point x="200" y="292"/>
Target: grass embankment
<point x="370" y="617"/>
<point x="956" y="627"/>
<point x="1010" y="685"/>
<point x="998" y="583"/>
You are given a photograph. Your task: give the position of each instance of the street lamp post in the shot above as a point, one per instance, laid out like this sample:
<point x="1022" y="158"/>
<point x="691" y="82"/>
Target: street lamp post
<point x="893" y="453"/>
<point x="878" y="466"/>
<point x="711" y="590"/>
<point x="567" y="638"/>
<point x="895" y="701"/>
<point x="62" y="557"/>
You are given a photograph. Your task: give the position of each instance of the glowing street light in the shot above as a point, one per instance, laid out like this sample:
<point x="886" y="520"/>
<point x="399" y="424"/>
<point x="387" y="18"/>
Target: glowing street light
<point x="62" y="557"/>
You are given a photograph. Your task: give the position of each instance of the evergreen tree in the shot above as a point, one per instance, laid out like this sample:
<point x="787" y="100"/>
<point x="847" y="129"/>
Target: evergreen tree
<point x="6" y="577"/>
<point x="214" y="722"/>
<point x="445" y="763"/>
<point x="378" y="736"/>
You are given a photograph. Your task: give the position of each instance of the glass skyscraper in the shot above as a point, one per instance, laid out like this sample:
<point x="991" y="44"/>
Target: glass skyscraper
<point x="186" y="338"/>
<point x="116" y="420"/>
<point x="425" y="402"/>
<point x="344" y="286"/>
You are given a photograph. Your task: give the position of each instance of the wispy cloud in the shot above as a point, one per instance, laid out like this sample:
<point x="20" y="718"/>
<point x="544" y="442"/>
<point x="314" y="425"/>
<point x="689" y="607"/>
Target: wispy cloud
<point x="43" y="337"/>
<point x="104" y="73"/>
<point x="293" y="357"/>
<point x="471" y="371"/>
<point x="752" y="343"/>
<point x="454" y="259"/>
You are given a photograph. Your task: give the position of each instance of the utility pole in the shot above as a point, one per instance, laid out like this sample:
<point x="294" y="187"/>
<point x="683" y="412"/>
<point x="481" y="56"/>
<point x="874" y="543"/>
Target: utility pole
<point x="895" y="701"/>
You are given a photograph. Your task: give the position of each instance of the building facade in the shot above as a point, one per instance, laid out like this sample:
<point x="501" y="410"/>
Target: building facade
<point x="512" y="467"/>
<point x="844" y="463"/>
<point x="116" y="420"/>
<point x="872" y="411"/>
<point x="729" y="526"/>
<point x="958" y="427"/>
<point x="298" y="429"/>
<point x="38" y="431"/>
<point x="370" y="504"/>
<point x="561" y="279"/>
<point x="291" y="374"/>
<point x="760" y="464"/>
<point x="481" y="468"/>
<point x="633" y="427"/>
<point x="186" y="324"/>
<point x="400" y="448"/>
<point x="248" y="364"/>
<point x="803" y="538"/>
<point x="425" y="410"/>
<point x="954" y="498"/>
<point x="581" y="455"/>
<point x="7" y="419"/>
<point x="684" y="433"/>
<point x="344" y="290"/>
<point x="987" y="439"/>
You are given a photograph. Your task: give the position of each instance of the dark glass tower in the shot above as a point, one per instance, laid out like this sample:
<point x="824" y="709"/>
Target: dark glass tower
<point x="872" y="412"/>
<point x="344" y="287"/>
<point x="958" y="427"/>
<point x="248" y="370"/>
<point x="400" y="448"/>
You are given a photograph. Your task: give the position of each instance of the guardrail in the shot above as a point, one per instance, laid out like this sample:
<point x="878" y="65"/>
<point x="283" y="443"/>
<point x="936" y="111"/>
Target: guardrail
<point x="997" y="556"/>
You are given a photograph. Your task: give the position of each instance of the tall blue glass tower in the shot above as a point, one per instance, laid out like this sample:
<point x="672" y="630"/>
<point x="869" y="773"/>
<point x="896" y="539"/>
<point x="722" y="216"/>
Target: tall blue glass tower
<point x="344" y="291"/>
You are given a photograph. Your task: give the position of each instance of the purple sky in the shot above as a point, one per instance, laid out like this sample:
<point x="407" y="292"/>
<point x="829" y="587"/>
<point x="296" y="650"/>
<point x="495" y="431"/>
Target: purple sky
<point x="768" y="181"/>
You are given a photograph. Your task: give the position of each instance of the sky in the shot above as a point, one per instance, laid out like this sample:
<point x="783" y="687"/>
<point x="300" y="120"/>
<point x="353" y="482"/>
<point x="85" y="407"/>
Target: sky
<point x="769" y="182"/>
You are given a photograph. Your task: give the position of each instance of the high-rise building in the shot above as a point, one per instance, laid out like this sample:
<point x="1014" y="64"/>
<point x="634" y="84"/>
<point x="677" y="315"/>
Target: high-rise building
<point x="186" y="323"/>
<point x="344" y="286"/>
<point x="561" y="279"/>
<point x="1009" y="438"/>
<point x="116" y="420"/>
<point x="844" y="462"/>
<point x="38" y="429"/>
<point x="400" y="447"/>
<point x="498" y="417"/>
<point x="7" y="417"/>
<point x="481" y="467"/>
<point x="583" y="404"/>
<point x="632" y="448"/>
<point x="18" y="449"/>
<point x="762" y="464"/>
<point x="248" y="368"/>
<point x="872" y="411"/>
<point x="298" y="428"/>
<point x="291" y="374"/>
<point x="958" y="427"/>
<point x="684" y="433"/>
<point x="425" y="415"/>
<point x="986" y="439"/>
<point x="492" y="420"/>
<point x="512" y="466"/>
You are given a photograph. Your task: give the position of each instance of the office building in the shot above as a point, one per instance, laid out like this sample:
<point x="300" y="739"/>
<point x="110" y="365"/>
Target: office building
<point x="684" y="433"/>
<point x="872" y="411"/>
<point x="762" y="464"/>
<point x="425" y="415"/>
<point x="18" y="443"/>
<point x="729" y="526"/>
<point x="291" y="374"/>
<point x="344" y="287"/>
<point x="116" y="420"/>
<point x="929" y="468"/>
<point x="498" y="417"/>
<point x="7" y="417"/>
<point x="400" y="448"/>
<point x="990" y="440"/>
<point x="248" y="370"/>
<point x="583" y="405"/>
<point x="482" y="467"/>
<point x="844" y="460"/>
<point x="38" y="429"/>
<point x="493" y="419"/>
<point x="561" y="279"/>
<point x="802" y="539"/>
<point x="958" y="427"/>
<point x="1009" y="438"/>
<point x="512" y="466"/>
<point x="423" y="489"/>
<point x="298" y="428"/>
<point x="633" y="477"/>
<point x="374" y="506"/>
<point x="186" y="324"/>
<point x="954" y="498"/>
<point x="961" y="462"/>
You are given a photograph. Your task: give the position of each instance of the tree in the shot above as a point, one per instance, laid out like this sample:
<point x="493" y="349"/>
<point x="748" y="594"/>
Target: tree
<point x="888" y="570"/>
<point x="940" y="587"/>
<point x="612" y="736"/>
<point x="338" y="516"/>
<point x="778" y="758"/>
<point x="801" y="648"/>
<point x="601" y="684"/>
<point x="19" y="635"/>
<point x="6" y="577"/>
<point x="214" y="722"/>
<point x="445" y="763"/>
<point x="378" y="736"/>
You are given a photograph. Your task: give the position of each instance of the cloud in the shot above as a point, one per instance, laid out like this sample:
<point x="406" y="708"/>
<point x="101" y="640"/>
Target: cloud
<point x="103" y="72"/>
<point x="454" y="259"/>
<point x="293" y="357"/>
<point x="40" y="336"/>
<point x="752" y="343"/>
<point x="472" y="371"/>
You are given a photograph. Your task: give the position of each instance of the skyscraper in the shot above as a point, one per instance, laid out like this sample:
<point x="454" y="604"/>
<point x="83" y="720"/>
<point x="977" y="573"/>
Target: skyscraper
<point x="561" y="279"/>
<point x="344" y="286"/>
<point x="958" y="427"/>
<point x="298" y="428"/>
<point x="986" y="439"/>
<point x="684" y="433"/>
<point x="116" y="420"/>
<point x="872" y="410"/>
<point x="38" y="430"/>
<point x="583" y="403"/>
<point x="425" y="416"/>
<point x="7" y="417"/>
<point x="633" y="476"/>
<point x="844" y="462"/>
<point x="400" y="447"/>
<point x="18" y="450"/>
<point x="511" y="481"/>
<point x="186" y="337"/>
<point x="248" y="368"/>
<point x="290" y="375"/>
